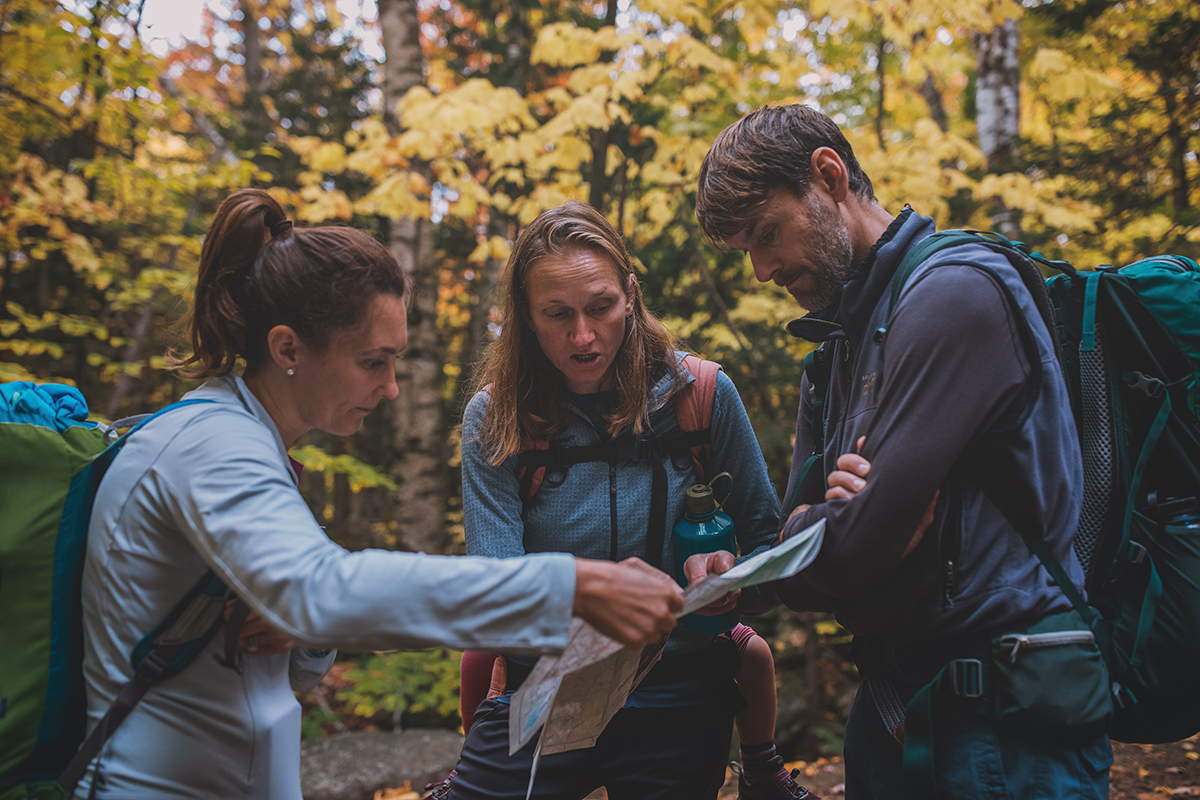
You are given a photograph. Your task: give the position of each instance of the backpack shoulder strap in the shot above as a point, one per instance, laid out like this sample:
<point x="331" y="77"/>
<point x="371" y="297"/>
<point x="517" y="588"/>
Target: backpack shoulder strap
<point x="530" y="478"/>
<point x="1024" y="261"/>
<point x="818" y="367"/>
<point x="193" y="621"/>
<point x="694" y="408"/>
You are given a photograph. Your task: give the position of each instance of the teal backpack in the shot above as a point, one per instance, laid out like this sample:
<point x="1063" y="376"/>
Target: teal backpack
<point x="1129" y="341"/>
<point x="52" y="460"/>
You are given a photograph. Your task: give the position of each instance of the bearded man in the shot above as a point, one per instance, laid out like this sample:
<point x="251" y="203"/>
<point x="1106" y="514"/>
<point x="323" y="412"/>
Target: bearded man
<point x="970" y="395"/>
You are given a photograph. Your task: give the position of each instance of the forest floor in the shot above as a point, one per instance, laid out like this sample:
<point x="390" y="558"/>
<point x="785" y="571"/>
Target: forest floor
<point x="1139" y="772"/>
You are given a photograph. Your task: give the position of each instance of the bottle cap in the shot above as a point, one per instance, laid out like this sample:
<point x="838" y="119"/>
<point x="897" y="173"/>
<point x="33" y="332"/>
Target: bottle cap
<point x="701" y="501"/>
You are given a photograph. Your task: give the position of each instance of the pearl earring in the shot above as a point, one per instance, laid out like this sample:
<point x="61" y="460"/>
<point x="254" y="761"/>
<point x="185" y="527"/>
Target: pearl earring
<point x="291" y="372"/>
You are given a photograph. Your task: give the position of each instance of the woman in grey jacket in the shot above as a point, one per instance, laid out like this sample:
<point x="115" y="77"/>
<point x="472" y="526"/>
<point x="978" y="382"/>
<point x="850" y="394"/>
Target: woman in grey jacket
<point x="583" y="369"/>
<point x="318" y="316"/>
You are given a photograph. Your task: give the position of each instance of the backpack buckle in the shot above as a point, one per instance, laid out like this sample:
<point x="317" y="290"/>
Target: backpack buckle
<point x="966" y="677"/>
<point x="1151" y="387"/>
<point x="644" y="448"/>
<point x="1136" y="553"/>
<point x="151" y="668"/>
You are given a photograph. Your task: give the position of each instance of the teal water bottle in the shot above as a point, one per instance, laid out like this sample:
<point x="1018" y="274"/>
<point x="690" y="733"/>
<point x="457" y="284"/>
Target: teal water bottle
<point x="704" y="529"/>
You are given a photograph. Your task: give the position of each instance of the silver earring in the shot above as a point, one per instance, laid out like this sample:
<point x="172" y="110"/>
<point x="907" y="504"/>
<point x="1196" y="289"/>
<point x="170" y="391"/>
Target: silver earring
<point x="291" y="372"/>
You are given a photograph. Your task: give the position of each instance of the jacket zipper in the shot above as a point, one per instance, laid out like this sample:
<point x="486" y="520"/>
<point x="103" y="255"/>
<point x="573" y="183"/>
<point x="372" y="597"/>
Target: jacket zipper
<point x="950" y="545"/>
<point x="1021" y="641"/>
<point x="612" y="510"/>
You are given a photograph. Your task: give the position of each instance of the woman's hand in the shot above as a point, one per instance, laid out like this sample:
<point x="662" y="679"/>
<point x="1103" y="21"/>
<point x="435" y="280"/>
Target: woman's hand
<point x="632" y="601"/>
<point x="700" y="566"/>
<point x="258" y="638"/>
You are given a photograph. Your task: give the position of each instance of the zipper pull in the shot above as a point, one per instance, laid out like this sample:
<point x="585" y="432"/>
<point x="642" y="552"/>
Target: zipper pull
<point x="949" y="577"/>
<point x="1018" y="641"/>
<point x="612" y="480"/>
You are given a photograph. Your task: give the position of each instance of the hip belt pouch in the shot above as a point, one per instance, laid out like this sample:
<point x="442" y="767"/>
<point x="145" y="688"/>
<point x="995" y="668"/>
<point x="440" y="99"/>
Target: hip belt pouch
<point x="1050" y="679"/>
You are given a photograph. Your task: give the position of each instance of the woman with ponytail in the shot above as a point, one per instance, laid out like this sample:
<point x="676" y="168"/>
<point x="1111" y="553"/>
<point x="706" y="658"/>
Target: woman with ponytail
<point x="317" y="317"/>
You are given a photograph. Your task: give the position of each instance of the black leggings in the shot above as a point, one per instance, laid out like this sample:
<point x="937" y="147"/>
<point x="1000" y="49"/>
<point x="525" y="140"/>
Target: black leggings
<point x="643" y="754"/>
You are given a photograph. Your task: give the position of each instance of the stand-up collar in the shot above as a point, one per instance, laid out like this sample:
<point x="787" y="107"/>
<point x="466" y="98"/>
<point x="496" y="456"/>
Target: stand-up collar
<point x="870" y="279"/>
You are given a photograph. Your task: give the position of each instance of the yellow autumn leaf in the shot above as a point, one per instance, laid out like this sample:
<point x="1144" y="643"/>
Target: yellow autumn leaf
<point x="562" y="44"/>
<point x="500" y="248"/>
<point x="328" y="157"/>
<point x="58" y="229"/>
<point x="481" y="253"/>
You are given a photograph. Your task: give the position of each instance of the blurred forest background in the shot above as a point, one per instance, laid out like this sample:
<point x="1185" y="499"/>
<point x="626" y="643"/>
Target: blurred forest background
<point x="1069" y="124"/>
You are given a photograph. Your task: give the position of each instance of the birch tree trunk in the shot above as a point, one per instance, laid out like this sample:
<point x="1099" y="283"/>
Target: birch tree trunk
<point x="997" y="101"/>
<point x="419" y="435"/>
<point x="255" y="115"/>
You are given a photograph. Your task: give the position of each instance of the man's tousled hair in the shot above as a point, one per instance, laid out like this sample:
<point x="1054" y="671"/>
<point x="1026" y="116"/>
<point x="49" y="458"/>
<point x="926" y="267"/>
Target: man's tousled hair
<point x="768" y="148"/>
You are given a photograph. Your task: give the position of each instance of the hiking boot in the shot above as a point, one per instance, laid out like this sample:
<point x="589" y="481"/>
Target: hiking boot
<point x="441" y="789"/>
<point x="777" y="785"/>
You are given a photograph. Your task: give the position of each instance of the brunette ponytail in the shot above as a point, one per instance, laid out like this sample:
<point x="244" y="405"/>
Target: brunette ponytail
<point x="257" y="271"/>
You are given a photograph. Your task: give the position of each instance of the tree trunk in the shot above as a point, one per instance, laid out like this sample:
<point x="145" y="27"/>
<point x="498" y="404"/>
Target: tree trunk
<point x="933" y="99"/>
<point x="1179" y="148"/>
<point x="599" y="182"/>
<point x="881" y="76"/>
<point x="998" y="110"/>
<point x="998" y="95"/>
<point x="420" y="450"/>
<point x="255" y="114"/>
<point x="483" y="293"/>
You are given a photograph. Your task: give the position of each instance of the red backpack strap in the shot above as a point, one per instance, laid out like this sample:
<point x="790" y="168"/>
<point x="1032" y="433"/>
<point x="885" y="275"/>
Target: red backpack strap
<point x="531" y="479"/>
<point x="694" y="407"/>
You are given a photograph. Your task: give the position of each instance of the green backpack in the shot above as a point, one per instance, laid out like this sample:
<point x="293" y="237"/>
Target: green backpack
<point x="52" y="460"/>
<point x="1129" y="341"/>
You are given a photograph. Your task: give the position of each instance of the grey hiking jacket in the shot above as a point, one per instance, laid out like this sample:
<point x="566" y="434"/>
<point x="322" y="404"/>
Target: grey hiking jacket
<point x="574" y="511"/>
<point x="210" y="486"/>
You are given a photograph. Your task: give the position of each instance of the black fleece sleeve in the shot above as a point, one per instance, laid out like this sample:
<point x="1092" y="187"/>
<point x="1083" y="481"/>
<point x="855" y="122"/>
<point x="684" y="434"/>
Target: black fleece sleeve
<point x="954" y="362"/>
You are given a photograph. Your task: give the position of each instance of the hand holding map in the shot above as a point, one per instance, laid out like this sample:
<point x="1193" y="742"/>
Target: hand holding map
<point x="574" y="695"/>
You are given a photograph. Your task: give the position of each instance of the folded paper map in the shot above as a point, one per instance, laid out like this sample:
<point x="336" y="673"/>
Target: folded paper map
<point x="571" y="697"/>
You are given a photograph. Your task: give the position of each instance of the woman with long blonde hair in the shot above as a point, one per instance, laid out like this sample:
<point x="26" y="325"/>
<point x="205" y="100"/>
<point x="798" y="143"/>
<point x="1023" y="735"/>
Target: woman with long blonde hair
<point x="572" y="443"/>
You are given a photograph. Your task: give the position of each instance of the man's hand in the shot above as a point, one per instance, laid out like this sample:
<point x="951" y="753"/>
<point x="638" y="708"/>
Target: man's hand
<point x="850" y="477"/>
<point x="258" y="638"/>
<point x="700" y="566"/>
<point x="632" y="601"/>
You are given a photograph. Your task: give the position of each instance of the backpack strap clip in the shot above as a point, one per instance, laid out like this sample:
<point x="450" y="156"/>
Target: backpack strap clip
<point x="966" y="677"/>
<point x="1135" y="553"/>
<point x="1151" y="387"/>
<point x="152" y="668"/>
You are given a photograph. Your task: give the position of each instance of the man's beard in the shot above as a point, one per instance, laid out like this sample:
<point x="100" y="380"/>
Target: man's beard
<point x="830" y="253"/>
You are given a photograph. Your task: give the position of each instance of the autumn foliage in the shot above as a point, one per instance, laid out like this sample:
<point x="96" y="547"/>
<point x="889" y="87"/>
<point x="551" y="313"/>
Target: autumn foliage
<point x="113" y="158"/>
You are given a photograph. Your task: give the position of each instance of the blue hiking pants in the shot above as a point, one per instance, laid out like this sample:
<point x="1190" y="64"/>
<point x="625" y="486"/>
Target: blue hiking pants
<point x="643" y="754"/>
<point x="974" y="760"/>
